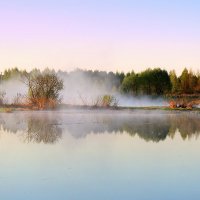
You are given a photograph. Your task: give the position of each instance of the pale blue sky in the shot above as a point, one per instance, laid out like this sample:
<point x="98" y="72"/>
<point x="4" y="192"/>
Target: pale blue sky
<point x="104" y="35"/>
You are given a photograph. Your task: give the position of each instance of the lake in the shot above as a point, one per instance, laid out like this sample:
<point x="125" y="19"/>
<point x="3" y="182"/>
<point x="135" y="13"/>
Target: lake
<point x="99" y="155"/>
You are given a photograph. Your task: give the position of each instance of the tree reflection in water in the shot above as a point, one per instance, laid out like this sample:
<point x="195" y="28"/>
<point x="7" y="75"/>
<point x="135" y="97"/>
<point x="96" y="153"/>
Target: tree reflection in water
<point x="34" y="127"/>
<point x="42" y="130"/>
<point x="188" y="125"/>
<point x="47" y="127"/>
<point x="157" y="129"/>
<point x="150" y="126"/>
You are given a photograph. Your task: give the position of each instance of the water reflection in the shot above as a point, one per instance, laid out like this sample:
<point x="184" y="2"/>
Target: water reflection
<point x="35" y="127"/>
<point x="48" y="127"/>
<point x="42" y="130"/>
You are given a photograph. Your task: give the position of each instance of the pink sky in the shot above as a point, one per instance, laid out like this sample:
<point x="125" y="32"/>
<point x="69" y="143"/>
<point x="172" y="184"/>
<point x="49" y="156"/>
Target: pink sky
<point x="107" y="35"/>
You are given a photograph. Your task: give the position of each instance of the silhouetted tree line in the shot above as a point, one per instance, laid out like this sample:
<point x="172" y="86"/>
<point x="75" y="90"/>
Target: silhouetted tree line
<point x="149" y="82"/>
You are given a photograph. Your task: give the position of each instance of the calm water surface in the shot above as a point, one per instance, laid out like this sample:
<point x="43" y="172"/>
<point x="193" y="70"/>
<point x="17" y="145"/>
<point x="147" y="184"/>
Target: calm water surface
<point x="98" y="155"/>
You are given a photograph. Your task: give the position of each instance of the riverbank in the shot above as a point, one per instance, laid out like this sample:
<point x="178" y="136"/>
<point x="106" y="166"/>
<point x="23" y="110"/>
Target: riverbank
<point x="11" y="108"/>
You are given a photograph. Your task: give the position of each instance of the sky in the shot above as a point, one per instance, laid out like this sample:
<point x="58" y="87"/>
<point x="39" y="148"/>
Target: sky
<point x="111" y="35"/>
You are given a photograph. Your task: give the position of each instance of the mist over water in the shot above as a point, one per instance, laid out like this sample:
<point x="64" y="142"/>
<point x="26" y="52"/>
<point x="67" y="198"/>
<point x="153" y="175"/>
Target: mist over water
<point x="11" y="88"/>
<point x="48" y="127"/>
<point x="80" y="89"/>
<point x="99" y="154"/>
<point x="140" y="101"/>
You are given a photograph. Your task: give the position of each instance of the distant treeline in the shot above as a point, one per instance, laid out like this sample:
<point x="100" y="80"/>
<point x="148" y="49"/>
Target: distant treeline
<point x="149" y="82"/>
<point x="158" y="82"/>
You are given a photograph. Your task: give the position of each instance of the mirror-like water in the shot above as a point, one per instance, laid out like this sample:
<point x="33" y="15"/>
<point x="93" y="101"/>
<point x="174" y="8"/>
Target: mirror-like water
<point x="99" y="155"/>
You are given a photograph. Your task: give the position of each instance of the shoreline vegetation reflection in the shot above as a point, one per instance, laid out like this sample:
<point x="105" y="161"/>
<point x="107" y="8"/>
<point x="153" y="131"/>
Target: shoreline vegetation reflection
<point x="49" y="127"/>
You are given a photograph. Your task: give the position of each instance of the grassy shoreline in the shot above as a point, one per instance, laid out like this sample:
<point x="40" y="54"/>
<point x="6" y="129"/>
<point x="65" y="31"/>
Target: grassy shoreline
<point x="11" y="108"/>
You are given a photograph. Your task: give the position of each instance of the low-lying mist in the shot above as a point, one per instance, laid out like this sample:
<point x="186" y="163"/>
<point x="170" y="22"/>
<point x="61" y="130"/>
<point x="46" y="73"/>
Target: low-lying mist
<point x="49" y="127"/>
<point x="79" y="89"/>
<point x="82" y="89"/>
<point x="11" y="89"/>
<point x="140" y="101"/>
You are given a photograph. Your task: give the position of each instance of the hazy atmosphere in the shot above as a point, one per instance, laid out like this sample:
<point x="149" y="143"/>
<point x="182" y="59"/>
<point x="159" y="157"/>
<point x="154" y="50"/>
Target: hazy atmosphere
<point x="99" y="100"/>
<point x="106" y="35"/>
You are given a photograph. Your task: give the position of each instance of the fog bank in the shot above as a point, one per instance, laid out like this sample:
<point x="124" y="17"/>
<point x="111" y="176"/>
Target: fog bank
<point x="80" y="88"/>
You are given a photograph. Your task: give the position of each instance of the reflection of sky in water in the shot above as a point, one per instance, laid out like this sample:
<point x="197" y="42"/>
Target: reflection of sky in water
<point x="110" y="165"/>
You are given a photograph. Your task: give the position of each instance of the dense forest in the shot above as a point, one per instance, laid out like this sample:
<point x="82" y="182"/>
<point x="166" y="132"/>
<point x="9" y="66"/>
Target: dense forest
<point x="149" y="82"/>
